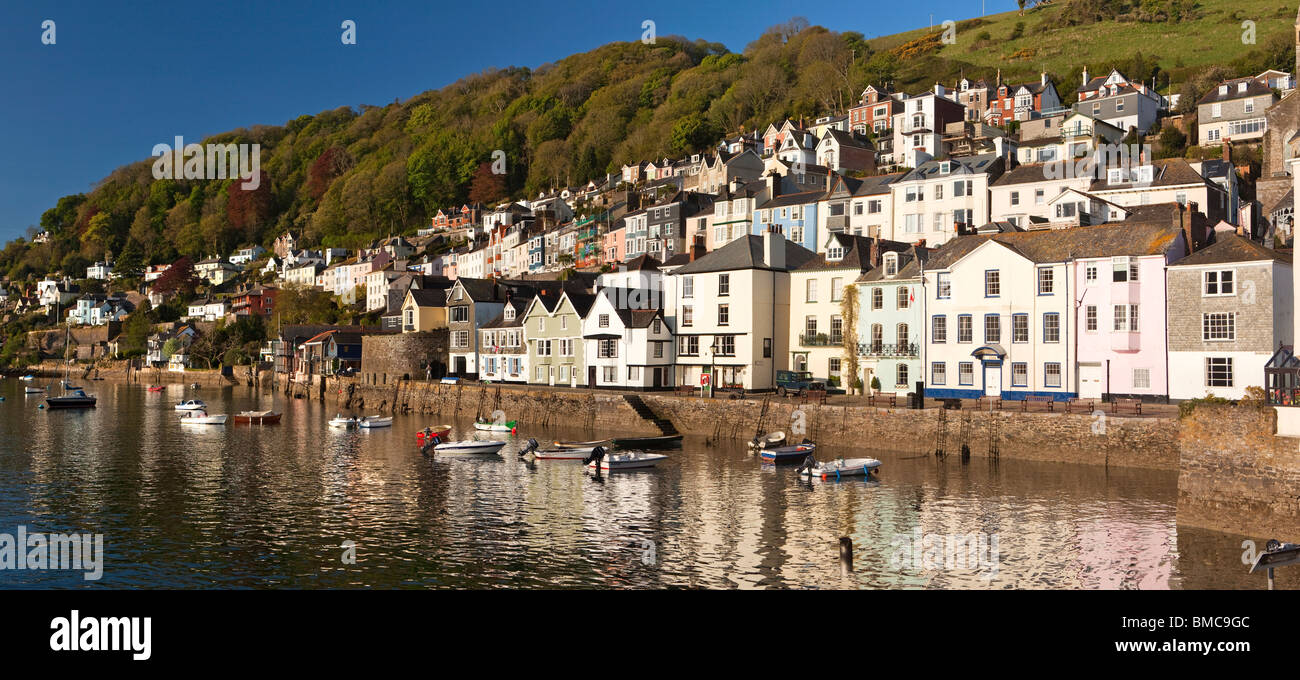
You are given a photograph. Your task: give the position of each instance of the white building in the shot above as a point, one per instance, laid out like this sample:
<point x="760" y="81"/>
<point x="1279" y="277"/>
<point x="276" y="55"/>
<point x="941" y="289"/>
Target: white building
<point x="629" y="348"/>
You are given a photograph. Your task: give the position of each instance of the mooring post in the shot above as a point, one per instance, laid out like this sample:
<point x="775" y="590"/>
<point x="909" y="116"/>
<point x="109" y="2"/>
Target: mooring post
<point x="846" y="555"/>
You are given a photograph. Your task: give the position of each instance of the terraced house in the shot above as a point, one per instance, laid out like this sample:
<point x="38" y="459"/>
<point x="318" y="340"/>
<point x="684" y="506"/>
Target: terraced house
<point x="503" y="352"/>
<point x="553" y="331"/>
<point x="625" y="347"/>
<point x="891" y="323"/>
<point x="471" y="303"/>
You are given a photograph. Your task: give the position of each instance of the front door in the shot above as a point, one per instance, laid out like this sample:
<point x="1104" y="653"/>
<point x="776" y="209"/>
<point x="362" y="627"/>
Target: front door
<point x="1090" y="381"/>
<point x="993" y="380"/>
<point x="658" y="377"/>
<point x="591" y="376"/>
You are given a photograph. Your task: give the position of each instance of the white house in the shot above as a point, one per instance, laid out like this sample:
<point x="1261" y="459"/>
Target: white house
<point x="935" y="200"/>
<point x="629" y="348"/>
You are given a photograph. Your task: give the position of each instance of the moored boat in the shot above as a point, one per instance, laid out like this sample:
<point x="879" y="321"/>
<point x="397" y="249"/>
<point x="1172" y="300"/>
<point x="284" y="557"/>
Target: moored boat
<point x="341" y="421"/>
<point x="787" y="454"/>
<point x="201" y="417"/>
<point x="667" y="441"/>
<point x="156" y="388"/>
<point x="767" y="441"/>
<point x="258" y="417"/>
<point x="588" y="446"/>
<point x="78" y="399"/>
<point x="487" y="426"/>
<point x="436" y="434"/>
<point x="471" y="446"/>
<point x="625" y="460"/>
<point x="191" y="405"/>
<point x="370" y="422"/>
<point x="33" y="390"/>
<point x="564" y="454"/>
<point x="28" y="378"/>
<point x="840" y="467"/>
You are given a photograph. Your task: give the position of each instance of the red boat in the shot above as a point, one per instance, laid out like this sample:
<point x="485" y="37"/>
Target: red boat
<point x="432" y="435"/>
<point x="257" y="417"/>
<point x="157" y="388"/>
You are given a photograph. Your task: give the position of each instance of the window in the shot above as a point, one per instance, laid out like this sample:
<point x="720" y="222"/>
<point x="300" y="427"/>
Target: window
<point x="992" y="283"/>
<point x="689" y="346"/>
<point x="1019" y="328"/>
<point x="1090" y="273"/>
<point x="656" y="327"/>
<point x="903" y="339"/>
<point x="460" y="314"/>
<point x="1090" y="318"/>
<point x="1015" y="198"/>
<point x="810" y="326"/>
<point x="1219" y="326"/>
<point x="877" y="298"/>
<point x="688" y="316"/>
<point x="1020" y="374"/>
<point x="1142" y="378"/>
<point x="541" y="323"/>
<point x="1052" y="375"/>
<point x="939" y="329"/>
<point x="607" y="349"/>
<point x="810" y="290"/>
<point x="1124" y="269"/>
<point x="833" y="365"/>
<point x="966" y="373"/>
<point x="1045" y="280"/>
<point x="610" y="374"/>
<point x="938" y="373"/>
<point x="901" y="376"/>
<point x="1039" y="196"/>
<point x="726" y="345"/>
<point x="1051" y="327"/>
<point x="1125" y="318"/>
<point x="564" y="323"/>
<point x="767" y="348"/>
<point x="992" y="328"/>
<point x="891" y="264"/>
<point x="1218" y="371"/>
<point x="965" y="333"/>
<point x="837" y="330"/>
<point x="724" y="284"/>
<point x="724" y="315"/>
<point x="903" y="297"/>
<point x="943" y="289"/>
<point x="1220" y="282"/>
<point x="837" y="289"/>
<point x="603" y="321"/>
<point x="877" y="337"/>
<point x="688" y="286"/>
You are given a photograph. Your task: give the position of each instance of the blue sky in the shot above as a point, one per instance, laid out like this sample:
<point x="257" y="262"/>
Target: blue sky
<point x="122" y="77"/>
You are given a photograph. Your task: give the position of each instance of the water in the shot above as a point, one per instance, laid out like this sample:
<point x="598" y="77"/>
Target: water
<point x="241" y="506"/>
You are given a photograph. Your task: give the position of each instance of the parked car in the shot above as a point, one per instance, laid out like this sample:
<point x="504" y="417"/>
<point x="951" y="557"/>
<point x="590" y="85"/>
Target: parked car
<point x="797" y="382"/>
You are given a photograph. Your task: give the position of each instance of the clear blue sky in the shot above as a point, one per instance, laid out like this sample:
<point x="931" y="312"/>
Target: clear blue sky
<point x="124" y="76"/>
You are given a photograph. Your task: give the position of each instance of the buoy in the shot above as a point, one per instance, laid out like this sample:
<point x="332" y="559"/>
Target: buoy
<point x="41" y="407"/>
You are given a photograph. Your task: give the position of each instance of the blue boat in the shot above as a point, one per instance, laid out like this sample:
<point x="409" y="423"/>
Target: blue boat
<point x="787" y="454"/>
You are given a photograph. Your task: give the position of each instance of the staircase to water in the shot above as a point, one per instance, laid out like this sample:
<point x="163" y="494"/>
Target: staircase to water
<point x="665" y="426"/>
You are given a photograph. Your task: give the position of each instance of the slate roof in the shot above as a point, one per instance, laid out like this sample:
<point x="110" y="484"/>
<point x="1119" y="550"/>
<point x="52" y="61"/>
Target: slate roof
<point x="746" y="253"/>
<point x="877" y="184"/>
<point x="1058" y="245"/>
<point x="909" y="260"/>
<point x="1232" y="248"/>
<point x="1166" y="172"/>
<point x="801" y="198"/>
<point x="857" y="254"/>
<point x="519" y="305"/>
<point x="428" y="297"/>
<point x="1254" y="88"/>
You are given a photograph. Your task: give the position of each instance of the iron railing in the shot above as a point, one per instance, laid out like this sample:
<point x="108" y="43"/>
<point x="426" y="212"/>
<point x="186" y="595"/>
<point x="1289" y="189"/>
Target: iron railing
<point x="880" y="349"/>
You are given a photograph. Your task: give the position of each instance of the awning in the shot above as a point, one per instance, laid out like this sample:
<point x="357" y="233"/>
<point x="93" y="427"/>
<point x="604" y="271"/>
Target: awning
<point x="990" y="351"/>
<point x="603" y="336"/>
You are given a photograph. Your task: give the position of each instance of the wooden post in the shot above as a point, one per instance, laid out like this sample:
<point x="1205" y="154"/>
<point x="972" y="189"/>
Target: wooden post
<point x="846" y="555"/>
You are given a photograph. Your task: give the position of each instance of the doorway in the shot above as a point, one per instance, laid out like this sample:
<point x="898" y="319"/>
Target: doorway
<point x="993" y="380"/>
<point x="1090" y="381"/>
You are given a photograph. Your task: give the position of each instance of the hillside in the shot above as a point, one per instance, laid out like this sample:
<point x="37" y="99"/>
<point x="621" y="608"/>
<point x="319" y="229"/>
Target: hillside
<point x="345" y="176"/>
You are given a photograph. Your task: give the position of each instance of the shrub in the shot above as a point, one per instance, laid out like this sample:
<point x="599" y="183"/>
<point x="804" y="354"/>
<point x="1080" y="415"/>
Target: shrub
<point x="1187" y="407"/>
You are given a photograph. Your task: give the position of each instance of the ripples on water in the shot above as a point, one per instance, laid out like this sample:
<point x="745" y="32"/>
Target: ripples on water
<point x="240" y="506"/>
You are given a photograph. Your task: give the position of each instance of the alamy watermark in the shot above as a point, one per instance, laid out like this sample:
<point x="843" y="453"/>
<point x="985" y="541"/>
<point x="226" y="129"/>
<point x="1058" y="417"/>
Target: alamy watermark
<point x="53" y="552"/>
<point x="1111" y="162"/>
<point x="209" y="161"/>
<point x="919" y="551"/>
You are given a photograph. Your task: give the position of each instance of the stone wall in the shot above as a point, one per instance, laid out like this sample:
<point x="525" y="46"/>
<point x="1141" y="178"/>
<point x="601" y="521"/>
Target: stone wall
<point x="385" y="359"/>
<point x="1236" y="476"/>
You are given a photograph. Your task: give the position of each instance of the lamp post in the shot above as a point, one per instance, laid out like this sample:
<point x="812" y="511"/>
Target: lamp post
<point x="713" y="377"/>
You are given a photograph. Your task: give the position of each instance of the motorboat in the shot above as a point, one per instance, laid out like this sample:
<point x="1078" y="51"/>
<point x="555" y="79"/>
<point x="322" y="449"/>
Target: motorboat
<point x="33" y="390"/>
<point x="487" y="426"/>
<point x="625" y="460"/>
<point x="564" y="454"/>
<point x="667" y="441"/>
<point x="787" y="454"/>
<point x="341" y="421"/>
<point x="370" y="422"/>
<point x="840" y="467"/>
<point x="191" y="405"/>
<point x="257" y="417"/>
<point x="28" y="378"/>
<point x="156" y="388"/>
<point x="471" y="446"/>
<point x="588" y="446"/>
<point x="767" y="441"/>
<point x="200" y="417"/>
<point x="77" y="399"/>
<point x="435" y="433"/>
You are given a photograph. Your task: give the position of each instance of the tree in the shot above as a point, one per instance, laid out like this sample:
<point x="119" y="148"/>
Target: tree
<point x="178" y="278"/>
<point x="248" y="210"/>
<point x="332" y="162"/>
<point x="487" y="187"/>
<point x="849" y="315"/>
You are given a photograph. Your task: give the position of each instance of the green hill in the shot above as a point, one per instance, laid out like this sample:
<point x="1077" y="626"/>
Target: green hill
<point x="345" y="176"/>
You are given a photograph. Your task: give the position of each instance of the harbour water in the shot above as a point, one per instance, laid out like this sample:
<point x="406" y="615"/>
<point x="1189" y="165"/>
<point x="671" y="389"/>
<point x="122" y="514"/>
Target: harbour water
<point x="240" y="506"/>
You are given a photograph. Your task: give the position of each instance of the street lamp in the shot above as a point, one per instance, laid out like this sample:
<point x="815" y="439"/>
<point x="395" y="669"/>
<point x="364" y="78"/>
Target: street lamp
<point x="713" y="377"/>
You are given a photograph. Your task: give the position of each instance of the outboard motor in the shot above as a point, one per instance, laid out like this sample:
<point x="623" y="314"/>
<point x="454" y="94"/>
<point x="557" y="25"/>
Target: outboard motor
<point x="430" y="441"/>
<point x="528" y="448"/>
<point x="808" y="464"/>
<point x="595" y="456"/>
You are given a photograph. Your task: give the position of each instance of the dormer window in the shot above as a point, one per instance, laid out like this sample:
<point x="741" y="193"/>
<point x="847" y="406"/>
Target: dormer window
<point x="891" y="264"/>
<point x="510" y="313"/>
<point x="835" y="253"/>
<point x="1223" y="89"/>
<point x="1241" y="87"/>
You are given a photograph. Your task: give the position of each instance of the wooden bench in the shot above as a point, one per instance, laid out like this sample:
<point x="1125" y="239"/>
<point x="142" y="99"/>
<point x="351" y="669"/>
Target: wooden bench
<point x="988" y="400"/>
<point x="685" y="390"/>
<point x="1134" y="404"/>
<point x="1082" y="405"/>
<point x="951" y="404"/>
<point x="814" y="396"/>
<point x="882" y="397"/>
<point x="1037" y="399"/>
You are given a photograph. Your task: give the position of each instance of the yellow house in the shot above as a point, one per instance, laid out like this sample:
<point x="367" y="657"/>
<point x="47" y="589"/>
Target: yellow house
<point x="424" y="310"/>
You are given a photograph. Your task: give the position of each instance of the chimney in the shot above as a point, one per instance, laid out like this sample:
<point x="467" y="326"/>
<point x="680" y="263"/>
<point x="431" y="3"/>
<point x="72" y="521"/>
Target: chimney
<point x="875" y="252"/>
<point x="1085" y="76"/>
<point x="1185" y="223"/>
<point x="1227" y="152"/>
<point x="697" y="248"/>
<point x="1042" y="78"/>
<point x="773" y="249"/>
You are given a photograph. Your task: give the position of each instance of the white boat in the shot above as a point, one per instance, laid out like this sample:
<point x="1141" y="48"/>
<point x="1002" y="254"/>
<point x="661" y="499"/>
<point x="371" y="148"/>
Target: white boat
<point x="341" y="421"/>
<point x="33" y="390"/>
<point x="625" y="460"/>
<point x="840" y="467"/>
<point x="767" y="441"/>
<point x="375" y="421"/>
<point x="470" y="446"/>
<point x="28" y="378"/>
<point x="191" y="405"/>
<point x="508" y="426"/>
<point x="563" y="454"/>
<point x="201" y="417"/>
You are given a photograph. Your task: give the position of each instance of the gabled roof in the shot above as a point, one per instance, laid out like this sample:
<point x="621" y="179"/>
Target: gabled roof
<point x="746" y="253"/>
<point x="877" y="184"/>
<point x="910" y="261"/>
<point x="801" y="198"/>
<point x="1254" y="88"/>
<point x="1232" y="248"/>
<point x="1127" y="238"/>
<point x="428" y="297"/>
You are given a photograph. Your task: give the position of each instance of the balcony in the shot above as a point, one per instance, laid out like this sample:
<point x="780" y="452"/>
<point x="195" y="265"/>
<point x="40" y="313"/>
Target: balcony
<point x="837" y="222"/>
<point x="1122" y="341"/>
<point x="881" y="350"/>
<point x="820" y="340"/>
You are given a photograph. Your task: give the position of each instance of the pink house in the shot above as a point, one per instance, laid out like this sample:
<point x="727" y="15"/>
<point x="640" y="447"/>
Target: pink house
<point x="1120" y="307"/>
<point x="613" y="251"/>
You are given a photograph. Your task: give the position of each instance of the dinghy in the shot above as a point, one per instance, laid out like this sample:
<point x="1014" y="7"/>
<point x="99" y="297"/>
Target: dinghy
<point x="33" y="390"/>
<point x="840" y="467"/>
<point x="156" y="388"/>
<point x="257" y="417"/>
<point x="487" y="426"/>
<point x="470" y="446"/>
<point x="28" y="378"/>
<point x="202" y="418"/>
<point x="341" y="421"/>
<point x="787" y="454"/>
<point x="667" y="441"/>
<point x="627" y="460"/>
<point x="370" y="422"/>
<point x="191" y="405"/>
<point x="767" y="441"/>
<point x="428" y="434"/>
<point x="588" y="446"/>
<point x="564" y="454"/>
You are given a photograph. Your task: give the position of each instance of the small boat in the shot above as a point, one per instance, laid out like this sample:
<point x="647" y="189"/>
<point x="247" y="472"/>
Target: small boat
<point x="78" y="399"/>
<point x="667" y="441"/>
<point x="767" y="441"/>
<point x="564" y="454"/>
<point x="257" y="417"/>
<point x="28" y="378"/>
<point x="191" y="405"/>
<point x="588" y="446"/>
<point x="156" y="388"/>
<point x="194" y="386"/>
<point x="471" y="446"/>
<point x="200" y="417"/>
<point x="487" y="426"/>
<point x="33" y="390"/>
<point x="627" y="460"/>
<point x="787" y="454"/>
<point x="439" y="432"/>
<point x="840" y="467"/>
<point x="341" y="421"/>
<point x="375" y="421"/>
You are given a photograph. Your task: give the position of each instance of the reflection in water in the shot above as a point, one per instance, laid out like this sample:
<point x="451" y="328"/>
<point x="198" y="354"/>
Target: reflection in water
<point x="271" y="506"/>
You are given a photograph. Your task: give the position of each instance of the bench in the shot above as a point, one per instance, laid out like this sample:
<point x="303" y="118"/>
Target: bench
<point x="989" y="400"/>
<point x="814" y="396"/>
<point x="881" y="396"/>
<point x="1082" y="405"/>
<point x="951" y="404"/>
<point x="1038" y="399"/>
<point x="685" y="390"/>
<point x="1134" y="404"/>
